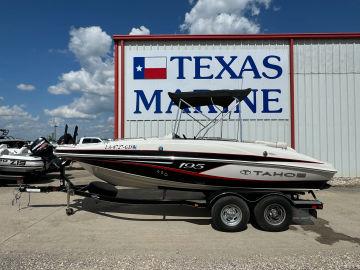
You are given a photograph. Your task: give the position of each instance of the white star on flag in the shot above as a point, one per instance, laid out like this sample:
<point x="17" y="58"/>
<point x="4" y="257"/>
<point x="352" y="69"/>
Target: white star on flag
<point x="138" y="68"/>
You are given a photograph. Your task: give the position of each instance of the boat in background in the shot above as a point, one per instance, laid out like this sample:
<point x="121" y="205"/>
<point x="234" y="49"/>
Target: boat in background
<point x="202" y="162"/>
<point x="20" y="158"/>
<point x="11" y="142"/>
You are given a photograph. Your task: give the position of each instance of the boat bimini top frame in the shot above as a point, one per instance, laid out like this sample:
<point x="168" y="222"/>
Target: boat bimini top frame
<point x="215" y="98"/>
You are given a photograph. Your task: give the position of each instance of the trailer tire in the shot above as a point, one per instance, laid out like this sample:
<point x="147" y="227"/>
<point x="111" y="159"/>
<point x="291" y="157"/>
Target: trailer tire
<point x="230" y="214"/>
<point x="273" y="213"/>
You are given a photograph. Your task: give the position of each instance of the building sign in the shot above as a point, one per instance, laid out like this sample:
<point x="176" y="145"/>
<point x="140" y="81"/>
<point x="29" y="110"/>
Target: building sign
<point x="150" y="75"/>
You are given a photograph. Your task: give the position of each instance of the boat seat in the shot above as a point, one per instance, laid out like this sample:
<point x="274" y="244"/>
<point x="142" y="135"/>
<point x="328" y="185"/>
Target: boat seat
<point x="22" y="151"/>
<point x="4" y="151"/>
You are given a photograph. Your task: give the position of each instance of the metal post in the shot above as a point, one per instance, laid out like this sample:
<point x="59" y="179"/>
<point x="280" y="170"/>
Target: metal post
<point x="222" y="123"/>
<point x="178" y="126"/>
<point x="177" y="118"/>
<point x="215" y="120"/>
<point x="239" y="132"/>
<point x="68" y="191"/>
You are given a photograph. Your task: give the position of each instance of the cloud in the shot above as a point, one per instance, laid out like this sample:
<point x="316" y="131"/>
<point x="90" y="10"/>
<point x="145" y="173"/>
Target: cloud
<point x="90" y="45"/>
<point x="55" y="121"/>
<point x="224" y="16"/>
<point x="93" y="83"/>
<point x="88" y="106"/>
<point x="16" y="112"/>
<point x="20" y="122"/>
<point x="25" y="87"/>
<point x="86" y="80"/>
<point x="67" y="112"/>
<point x="142" y="30"/>
<point x="94" y="80"/>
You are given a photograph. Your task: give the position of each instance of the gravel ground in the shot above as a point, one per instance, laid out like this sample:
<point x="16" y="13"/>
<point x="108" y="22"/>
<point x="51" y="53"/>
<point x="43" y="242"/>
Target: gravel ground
<point x="326" y="261"/>
<point x="345" y="181"/>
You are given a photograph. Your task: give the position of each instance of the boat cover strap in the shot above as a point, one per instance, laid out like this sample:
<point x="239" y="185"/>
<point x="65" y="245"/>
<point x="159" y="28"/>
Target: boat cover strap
<point x="208" y="97"/>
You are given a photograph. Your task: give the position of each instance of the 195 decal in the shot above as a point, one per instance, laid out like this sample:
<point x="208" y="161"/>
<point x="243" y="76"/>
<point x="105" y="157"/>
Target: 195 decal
<point x="193" y="166"/>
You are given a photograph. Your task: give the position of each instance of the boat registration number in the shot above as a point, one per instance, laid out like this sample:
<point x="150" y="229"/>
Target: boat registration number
<point x="14" y="162"/>
<point x="120" y="147"/>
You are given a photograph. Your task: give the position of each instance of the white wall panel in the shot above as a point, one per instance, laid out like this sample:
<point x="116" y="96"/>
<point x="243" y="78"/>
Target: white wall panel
<point x="327" y="85"/>
<point x="251" y="129"/>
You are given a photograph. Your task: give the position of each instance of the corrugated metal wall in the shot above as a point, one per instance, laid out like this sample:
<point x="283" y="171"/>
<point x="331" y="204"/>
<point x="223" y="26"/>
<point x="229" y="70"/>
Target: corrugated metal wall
<point x="266" y="129"/>
<point x="327" y="98"/>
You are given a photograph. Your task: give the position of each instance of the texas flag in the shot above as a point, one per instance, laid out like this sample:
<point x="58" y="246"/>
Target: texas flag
<point x="150" y="67"/>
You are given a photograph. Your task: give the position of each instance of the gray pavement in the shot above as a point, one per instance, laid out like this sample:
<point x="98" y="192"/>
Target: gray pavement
<point x="108" y="236"/>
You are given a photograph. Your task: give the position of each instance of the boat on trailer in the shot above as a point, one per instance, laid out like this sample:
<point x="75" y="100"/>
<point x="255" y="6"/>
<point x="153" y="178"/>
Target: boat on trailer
<point x="20" y="158"/>
<point x="201" y="162"/>
<point x="238" y="178"/>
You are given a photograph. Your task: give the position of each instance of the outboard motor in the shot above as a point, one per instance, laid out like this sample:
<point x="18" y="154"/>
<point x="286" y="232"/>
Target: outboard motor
<point x="42" y="148"/>
<point x="67" y="138"/>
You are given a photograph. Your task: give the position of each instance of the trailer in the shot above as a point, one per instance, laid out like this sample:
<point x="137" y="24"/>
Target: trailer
<point x="231" y="210"/>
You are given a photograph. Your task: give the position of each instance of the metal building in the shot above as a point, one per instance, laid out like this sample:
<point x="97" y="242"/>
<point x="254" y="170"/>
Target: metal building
<point x="306" y="87"/>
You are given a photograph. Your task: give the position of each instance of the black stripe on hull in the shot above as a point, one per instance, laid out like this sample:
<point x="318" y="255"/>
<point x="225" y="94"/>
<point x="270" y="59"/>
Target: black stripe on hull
<point x="177" y="154"/>
<point x="172" y="173"/>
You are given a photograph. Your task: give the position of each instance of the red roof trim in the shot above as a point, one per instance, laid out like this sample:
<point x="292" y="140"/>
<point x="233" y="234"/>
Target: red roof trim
<point x="240" y="37"/>
<point x="122" y="89"/>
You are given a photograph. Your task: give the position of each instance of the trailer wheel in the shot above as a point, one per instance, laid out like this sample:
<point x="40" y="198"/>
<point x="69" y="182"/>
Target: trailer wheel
<point x="273" y="214"/>
<point x="230" y="214"/>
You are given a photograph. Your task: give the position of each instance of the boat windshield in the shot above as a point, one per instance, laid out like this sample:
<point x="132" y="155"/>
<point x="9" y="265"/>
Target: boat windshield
<point x="223" y="101"/>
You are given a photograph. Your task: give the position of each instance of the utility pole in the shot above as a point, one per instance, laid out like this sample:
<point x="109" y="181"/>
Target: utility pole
<point x="54" y="124"/>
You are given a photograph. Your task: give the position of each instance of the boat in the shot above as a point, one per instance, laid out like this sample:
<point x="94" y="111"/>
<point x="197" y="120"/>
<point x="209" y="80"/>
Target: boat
<point x="11" y="142"/>
<point x="20" y="158"/>
<point x="202" y="162"/>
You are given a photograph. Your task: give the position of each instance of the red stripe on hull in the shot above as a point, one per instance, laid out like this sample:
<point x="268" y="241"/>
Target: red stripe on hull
<point x="190" y="173"/>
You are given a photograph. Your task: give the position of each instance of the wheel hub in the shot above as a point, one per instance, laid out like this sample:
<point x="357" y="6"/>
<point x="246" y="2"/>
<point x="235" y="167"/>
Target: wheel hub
<point x="231" y="215"/>
<point x="275" y="214"/>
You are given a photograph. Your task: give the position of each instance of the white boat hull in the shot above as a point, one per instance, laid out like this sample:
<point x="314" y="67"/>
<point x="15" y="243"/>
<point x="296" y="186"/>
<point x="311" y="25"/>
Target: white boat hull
<point x="20" y="164"/>
<point x="192" y="164"/>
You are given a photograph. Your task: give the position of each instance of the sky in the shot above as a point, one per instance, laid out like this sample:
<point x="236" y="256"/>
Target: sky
<point x="56" y="57"/>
